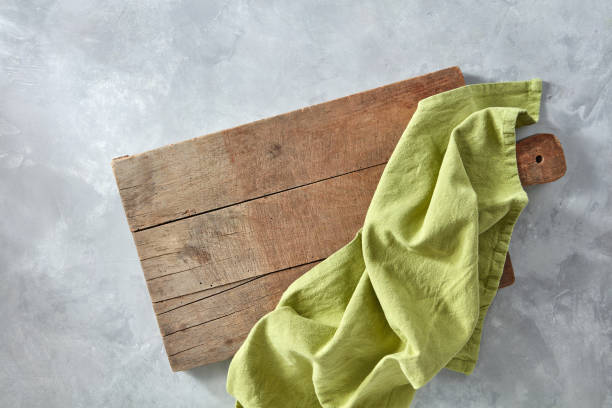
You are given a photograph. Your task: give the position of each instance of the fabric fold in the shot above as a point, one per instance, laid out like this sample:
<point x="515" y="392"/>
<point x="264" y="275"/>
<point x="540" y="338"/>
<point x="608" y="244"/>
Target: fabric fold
<point x="408" y="295"/>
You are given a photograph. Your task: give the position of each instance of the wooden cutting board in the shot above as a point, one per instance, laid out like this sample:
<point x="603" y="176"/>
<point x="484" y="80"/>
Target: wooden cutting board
<point x="223" y="223"/>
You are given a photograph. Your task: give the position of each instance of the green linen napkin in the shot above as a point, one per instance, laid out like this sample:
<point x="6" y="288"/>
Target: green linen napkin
<point x="407" y="296"/>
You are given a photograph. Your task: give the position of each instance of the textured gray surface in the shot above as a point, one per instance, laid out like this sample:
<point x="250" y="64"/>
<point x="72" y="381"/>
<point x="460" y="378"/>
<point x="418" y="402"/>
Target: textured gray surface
<point x="82" y="82"/>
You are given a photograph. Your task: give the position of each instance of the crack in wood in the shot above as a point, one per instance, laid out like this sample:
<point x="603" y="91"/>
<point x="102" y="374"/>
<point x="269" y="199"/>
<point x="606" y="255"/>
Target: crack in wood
<point x="221" y="317"/>
<point x="206" y="297"/>
<point x="257" y="198"/>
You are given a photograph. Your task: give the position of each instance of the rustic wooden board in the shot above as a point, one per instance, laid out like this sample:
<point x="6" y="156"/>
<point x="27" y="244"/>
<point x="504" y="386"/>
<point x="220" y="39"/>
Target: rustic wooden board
<point x="225" y="222"/>
<point x="256" y="206"/>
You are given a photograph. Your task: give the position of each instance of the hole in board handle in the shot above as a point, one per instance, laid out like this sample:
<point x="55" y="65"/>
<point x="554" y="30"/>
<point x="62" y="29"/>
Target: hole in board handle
<point x="538" y="159"/>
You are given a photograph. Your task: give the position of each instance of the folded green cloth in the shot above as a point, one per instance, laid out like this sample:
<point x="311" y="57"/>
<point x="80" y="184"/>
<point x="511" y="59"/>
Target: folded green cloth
<point x="407" y="296"/>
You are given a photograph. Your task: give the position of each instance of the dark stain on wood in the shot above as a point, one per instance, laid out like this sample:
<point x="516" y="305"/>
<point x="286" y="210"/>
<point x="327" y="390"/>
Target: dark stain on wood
<point x="274" y="150"/>
<point x="196" y="253"/>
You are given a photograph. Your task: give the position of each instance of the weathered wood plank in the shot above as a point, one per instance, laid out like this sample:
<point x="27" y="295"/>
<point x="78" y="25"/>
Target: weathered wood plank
<point x="167" y="305"/>
<point x="273" y="154"/>
<point x="276" y="232"/>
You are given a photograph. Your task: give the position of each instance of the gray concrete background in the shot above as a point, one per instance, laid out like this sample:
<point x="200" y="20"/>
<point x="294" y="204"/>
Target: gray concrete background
<point x="85" y="81"/>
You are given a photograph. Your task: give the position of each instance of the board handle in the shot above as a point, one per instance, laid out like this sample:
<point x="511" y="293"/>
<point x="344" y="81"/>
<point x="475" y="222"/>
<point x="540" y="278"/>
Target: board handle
<point x="540" y="160"/>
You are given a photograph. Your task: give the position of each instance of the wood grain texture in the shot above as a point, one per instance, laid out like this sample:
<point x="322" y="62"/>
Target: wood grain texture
<point x="273" y="154"/>
<point x="163" y="306"/>
<point x="246" y="240"/>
